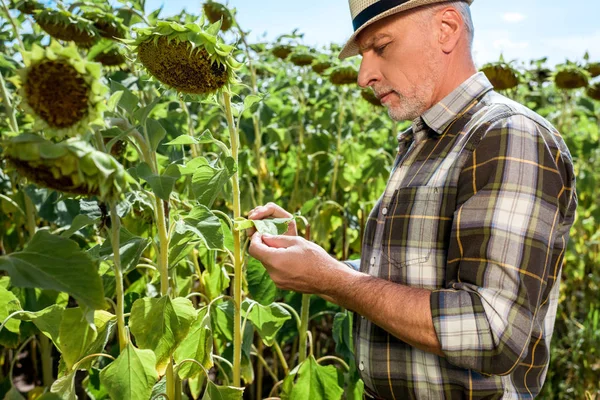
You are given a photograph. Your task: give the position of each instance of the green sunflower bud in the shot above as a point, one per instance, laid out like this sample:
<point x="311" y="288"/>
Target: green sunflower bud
<point x="320" y="66"/>
<point x="501" y="75"/>
<point x="72" y="166"/>
<point x="281" y="51"/>
<point x="570" y="76"/>
<point x="343" y="75"/>
<point x="216" y="12"/>
<point x="302" y="58"/>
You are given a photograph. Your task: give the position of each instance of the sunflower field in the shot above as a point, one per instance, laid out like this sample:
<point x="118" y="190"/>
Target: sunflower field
<point x="132" y="148"/>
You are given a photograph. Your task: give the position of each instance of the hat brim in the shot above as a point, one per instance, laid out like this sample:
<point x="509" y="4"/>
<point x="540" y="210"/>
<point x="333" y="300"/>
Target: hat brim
<point x="351" y="47"/>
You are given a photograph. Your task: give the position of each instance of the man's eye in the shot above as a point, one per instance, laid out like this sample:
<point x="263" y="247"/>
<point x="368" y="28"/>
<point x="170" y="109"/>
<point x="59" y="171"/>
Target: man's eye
<point x="379" y="50"/>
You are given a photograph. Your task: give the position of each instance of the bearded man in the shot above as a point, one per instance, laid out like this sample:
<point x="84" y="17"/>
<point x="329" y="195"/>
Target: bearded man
<point x="456" y="292"/>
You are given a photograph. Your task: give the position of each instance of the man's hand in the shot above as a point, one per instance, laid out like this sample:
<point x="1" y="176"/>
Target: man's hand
<point x="294" y="263"/>
<point x="272" y="210"/>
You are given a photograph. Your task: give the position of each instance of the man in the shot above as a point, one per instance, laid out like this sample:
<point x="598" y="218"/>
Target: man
<point x="457" y="290"/>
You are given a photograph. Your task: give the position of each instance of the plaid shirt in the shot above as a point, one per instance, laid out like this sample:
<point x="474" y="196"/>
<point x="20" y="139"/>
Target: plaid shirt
<point x="477" y="209"/>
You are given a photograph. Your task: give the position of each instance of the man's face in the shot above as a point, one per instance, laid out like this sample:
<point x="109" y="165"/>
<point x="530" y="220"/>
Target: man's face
<point x="400" y="64"/>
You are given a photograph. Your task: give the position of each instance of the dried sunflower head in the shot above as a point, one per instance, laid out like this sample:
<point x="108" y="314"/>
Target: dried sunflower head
<point x="369" y="96"/>
<point x="501" y="75"/>
<point x="320" y="66"/>
<point x="28" y="6"/>
<point x="108" y="25"/>
<point x="302" y="58"/>
<point x="593" y="91"/>
<point x="571" y="76"/>
<point x="281" y="51"/>
<point x="62" y="91"/>
<point x="343" y="75"/>
<point x="189" y="58"/>
<point x="218" y="12"/>
<point x="72" y="166"/>
<point x="63" y="25"/>
<point x="593" y="68"/>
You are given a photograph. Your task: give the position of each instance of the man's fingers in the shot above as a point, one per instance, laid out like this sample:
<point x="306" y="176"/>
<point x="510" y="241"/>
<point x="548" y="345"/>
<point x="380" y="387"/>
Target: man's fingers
<point x="280" y="241"/>
<point x="269" y="210"/>
<point x="258" y="249"/>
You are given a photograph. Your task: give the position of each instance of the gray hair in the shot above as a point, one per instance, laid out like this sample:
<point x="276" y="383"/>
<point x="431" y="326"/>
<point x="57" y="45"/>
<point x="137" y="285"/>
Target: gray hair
<point x="465" y="12"/>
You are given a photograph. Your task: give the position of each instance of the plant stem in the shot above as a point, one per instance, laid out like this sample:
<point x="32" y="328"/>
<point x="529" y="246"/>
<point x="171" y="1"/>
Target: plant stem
<point x="305" y="313"/>
<point x="46" y="355"/>
<point x="336" y="163"/>
<point x="237" y="253"/>
<point x="10" y="110"/>
<point x="14" y="26"/>
<point x="284" y="364"/>
<point x="115" y="226"/>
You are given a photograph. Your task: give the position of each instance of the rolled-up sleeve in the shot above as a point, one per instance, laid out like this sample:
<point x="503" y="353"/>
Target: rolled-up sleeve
<point x="511" y="208"/>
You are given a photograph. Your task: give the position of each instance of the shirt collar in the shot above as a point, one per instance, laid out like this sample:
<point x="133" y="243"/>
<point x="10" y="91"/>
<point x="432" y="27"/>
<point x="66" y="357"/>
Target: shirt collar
<point x="447" y="110"/>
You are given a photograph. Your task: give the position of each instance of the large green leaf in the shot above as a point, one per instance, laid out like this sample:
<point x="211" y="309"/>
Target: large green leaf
<point x="13" y="394"/>
<point x="65" y="387"/>
<point x="9" y="336"/>
<point x="208" y="181"/>
<point x="162" y="185"/>
<point x="160" y="325"/>
<point x="197" y="345"/>
<point x="131" y="248"/>
<point x="46" y="320"/>
<point x="312" y="381"/>
<point x="56" y="263"/>
<point x="131" y="376"/>
<point x="77" y="338"/>
<point x="214" y="392"/>
<point x="205" y="225"/>
<point x="80" y="221"/>
<point x="215" y="277"/>
<point x="272" y="226"/>
<point x="342" y="335"/>
<point x="260" y="285"/>
<point x="221" y="319"/>
<point x="268" y="320"/>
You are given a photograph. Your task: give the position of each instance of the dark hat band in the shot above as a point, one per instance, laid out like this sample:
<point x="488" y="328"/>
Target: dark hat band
<point x="374" y="10"/>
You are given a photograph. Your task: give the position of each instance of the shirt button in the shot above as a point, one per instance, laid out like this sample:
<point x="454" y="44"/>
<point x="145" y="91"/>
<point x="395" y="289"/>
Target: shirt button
<point x="384" y="211"/>
<point x="361" y="366"/>
<point x="373" y="260"/>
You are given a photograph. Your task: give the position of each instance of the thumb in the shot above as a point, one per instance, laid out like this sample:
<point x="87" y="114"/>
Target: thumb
<point x="280" y="241"/>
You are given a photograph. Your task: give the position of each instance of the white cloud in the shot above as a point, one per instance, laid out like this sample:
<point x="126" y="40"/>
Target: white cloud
<point x="513" y="17"/>
<point x="507" y="44"/>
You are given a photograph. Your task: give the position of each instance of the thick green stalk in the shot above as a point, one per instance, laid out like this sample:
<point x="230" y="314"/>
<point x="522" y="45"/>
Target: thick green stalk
<point x="305" y="313"/>
<point x="237" y="251"/>
<point x="115" y="227"/>
<point x="336" y="163"/>
<point x="10" y="110"/>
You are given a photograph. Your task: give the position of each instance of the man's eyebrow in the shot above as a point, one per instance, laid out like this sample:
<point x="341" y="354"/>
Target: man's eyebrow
<point x="371" y="41"/>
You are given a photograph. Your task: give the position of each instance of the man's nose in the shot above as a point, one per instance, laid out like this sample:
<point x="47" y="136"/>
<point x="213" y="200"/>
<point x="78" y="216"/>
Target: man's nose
<point x="367" y="74"/>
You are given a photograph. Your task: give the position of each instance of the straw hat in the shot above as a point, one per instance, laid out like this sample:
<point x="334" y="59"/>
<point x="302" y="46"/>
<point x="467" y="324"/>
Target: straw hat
<point x="365" y="12"/>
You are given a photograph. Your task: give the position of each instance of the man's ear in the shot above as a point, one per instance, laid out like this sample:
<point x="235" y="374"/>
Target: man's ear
<point x="451" y="26"/>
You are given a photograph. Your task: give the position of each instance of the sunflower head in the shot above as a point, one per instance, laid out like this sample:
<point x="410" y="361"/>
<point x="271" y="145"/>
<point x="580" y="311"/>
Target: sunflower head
<point x="189" y="58"/>
<point x="108" y="25"/>
<point x="63" y="25"/>
<point x="72" y="166"/>
<point x="593" y="91"/>
<point x="62" y="91"/>
<point x="218" y="12"/>
<point x="370" y="97"/>
<point x="593" y="68"/>
<point x="343" y="75"/>
<point x="281" y="51"/>
<point x="571" y="76"/>
<point x="319" y="66"/>
<point x="501" y="75"/>
<point x="302" y="58"/>
<point x="28" y="6"/>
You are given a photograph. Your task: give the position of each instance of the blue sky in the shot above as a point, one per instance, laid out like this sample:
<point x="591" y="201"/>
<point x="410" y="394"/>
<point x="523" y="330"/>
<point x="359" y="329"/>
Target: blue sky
<point x="520" y="29"/>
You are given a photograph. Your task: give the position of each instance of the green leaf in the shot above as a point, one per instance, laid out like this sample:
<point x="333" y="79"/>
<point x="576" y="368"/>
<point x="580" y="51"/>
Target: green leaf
<point x="214" y="392"/>
<point x="197" y="345"/>
<point x="208" y="181"/>
<point x="162" y="185"/>
<point x="268" y="320"/>
<point x="13" y="394"/>
<point x="221" y="318"/>
<point x="79" y="222"/>
<point x="260" y="285"/>
<point x="156" y="132"/>
<point x="160" y="325"/>
<point x="205" y="225"/>
<point x="355" y="389"/>
<point x="65" y="387"/>
<point x="131" y="248"/>
<point x="215" y="277"/>
<point x="191" y="166"/>
<point x="273" y="226"/>
<point x="56" y="263"/>
<point x="342" y="335"/>
<point x="47" y="321"/>
<point x="131" y="376"/>
<point x="251" y="100"/>
<point x="77" y="338"/>
<point x="128" y="100"/>
<point x="182" y="140"/>
<point x="312" y="381"/>
<point x="9" y="336"/>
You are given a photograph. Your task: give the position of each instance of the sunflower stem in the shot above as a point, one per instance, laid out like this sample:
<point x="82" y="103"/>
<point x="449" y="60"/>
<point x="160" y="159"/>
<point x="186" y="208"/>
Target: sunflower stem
<point x="237" y="253"/>
<point x="10" y="110"/>
<point x="14" y="27"/>
<point x="115" y="227"/>
<point x="336" y="163"/>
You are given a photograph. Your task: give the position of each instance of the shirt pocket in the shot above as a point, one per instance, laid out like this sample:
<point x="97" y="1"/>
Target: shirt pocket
<point x="411" y="223"/>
